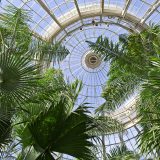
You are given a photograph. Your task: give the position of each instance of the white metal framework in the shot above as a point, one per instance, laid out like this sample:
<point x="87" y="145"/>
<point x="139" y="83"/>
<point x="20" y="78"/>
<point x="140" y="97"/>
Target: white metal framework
<point x="51" y="17"/>
<point x="73" y="22"/>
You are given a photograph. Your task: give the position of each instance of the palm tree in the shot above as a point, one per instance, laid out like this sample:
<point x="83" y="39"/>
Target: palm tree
<point x="51" y="124"/>
<point x="18" y="71"/>
<point x="148" y="107"/>
<point x="134" y="67"/>
<point x="39" y="111"/>
<point x="5" y="126"/>
<point x="129" y="64"/>
<point x="125" y="69"/>
<point x="44" y="52"/>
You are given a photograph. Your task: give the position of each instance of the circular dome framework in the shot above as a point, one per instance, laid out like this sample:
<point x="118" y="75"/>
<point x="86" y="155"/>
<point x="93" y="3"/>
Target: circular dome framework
<point x="71" y="22"/>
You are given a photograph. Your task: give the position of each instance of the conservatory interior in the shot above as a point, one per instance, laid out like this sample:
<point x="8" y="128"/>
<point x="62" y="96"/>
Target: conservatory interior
<point x="79" y="79"/>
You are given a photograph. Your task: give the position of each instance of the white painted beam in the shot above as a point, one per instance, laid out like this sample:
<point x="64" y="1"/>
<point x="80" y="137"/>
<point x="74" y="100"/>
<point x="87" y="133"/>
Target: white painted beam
<point x="102" y="6"/>
<point x="91" y="11"/>
<point x="102" y="9"/>
<point x="127" y="4"/>
<point x="78" y="10"/>
<point x="43" y="5"/>
<point x="150" y="11"/>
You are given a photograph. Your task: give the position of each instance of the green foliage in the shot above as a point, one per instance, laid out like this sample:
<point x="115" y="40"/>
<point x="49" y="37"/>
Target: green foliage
<point x="18" y="77"/>
<point x="64" y="133"/>
<point x="148" y="106"/>
<point x="129" y="63"/>
<point x="148" y="109"/>
<point x="58" y="129"/>
<point x="106" y="48"/>
<point x="122" y="152"/>
<point x="5" y="126"/>
<point x="19" y="74"/>
<point x="106" y="125"/>
<point x="46" y="52"/>
<point x="14" y="30"/>
<point x="51" y="124"/>
<point x="135" y="67"/>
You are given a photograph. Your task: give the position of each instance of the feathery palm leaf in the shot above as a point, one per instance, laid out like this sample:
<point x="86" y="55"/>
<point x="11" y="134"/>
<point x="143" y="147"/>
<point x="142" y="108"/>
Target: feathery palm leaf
<point x="46" y="52"/>
<point x="56" y="127"/>
<point x="122" y="152"/>
<point x="50" y="125"/>
<point x="129" y="65"/>
<point x="106" y="48"/>
<point x="6" y="113"/>
<point x="118" y="90"/>
<point x="106" y="125"/>
<point x="14" y="30"/>
<point x="148" y="110"/>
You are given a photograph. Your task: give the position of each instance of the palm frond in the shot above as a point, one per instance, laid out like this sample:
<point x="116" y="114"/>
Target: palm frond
<point x="18" y="77"/>
<point x="122" y="152"/>
<point x="148" y="111"/>
<point x="14" y="29"/>
<point x="73" y="90"/>
<point x="106" y="125"/>
<point x="106" y="48"/>
<point x="119" y="89"/>
<point x="6" y="114"/>
<point x="63" y="134"/>
<point x="46" y="52"/>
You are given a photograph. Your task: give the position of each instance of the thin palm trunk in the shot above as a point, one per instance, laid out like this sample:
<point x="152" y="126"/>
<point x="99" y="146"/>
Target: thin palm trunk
<point x="103" y="144"/>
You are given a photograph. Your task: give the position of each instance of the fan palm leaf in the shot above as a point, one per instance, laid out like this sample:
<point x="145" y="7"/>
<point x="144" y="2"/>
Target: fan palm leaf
<point x="51" y="124"/>
<point x="6" y="113"/>
<point x="106" y="48"/>
<point x="64" y="133"/>
<point x="18" y="77"/>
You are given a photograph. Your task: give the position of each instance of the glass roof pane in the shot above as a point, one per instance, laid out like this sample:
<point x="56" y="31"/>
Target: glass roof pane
<point x="93" y="80"/>
<point x="138" y="8"/>
<point x="148" y="1"/>
<point x="116" y="3"/>
<point x="86" y="2"/>
<point x="41" y="20"/>
<point x="40" y="17"/>
<point x="53" y="19"/>
<point x="154" y="18"/>
<point x="37" y="13"/>
<point x="60" y="7"/>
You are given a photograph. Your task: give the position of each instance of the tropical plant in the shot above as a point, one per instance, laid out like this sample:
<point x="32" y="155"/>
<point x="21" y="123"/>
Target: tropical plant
<point x="44" y="52"/>
<point x="19" y="74"/>
<point x="129" y="62"/>
<point x="52" y="124"/>
<point x="5" y="125"/>
<point x="134" y="68"/>
<point x="122" y="152"/>
<point x="14" y="30"/>
<point x="148" y="107"/>
<point x="18" y="77"/>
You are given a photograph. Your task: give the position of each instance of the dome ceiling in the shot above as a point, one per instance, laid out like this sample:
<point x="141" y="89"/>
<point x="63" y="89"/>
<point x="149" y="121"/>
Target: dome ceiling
<point x="71" y="22"/>
<point x="50" y="17"/>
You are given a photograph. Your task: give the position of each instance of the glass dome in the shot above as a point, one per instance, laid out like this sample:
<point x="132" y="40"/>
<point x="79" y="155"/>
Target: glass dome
<point x="73" y="22"/>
